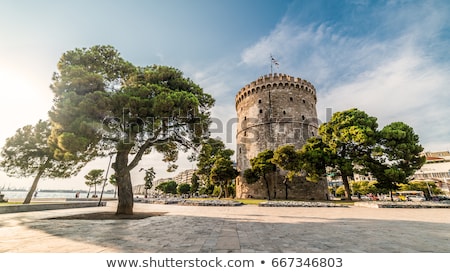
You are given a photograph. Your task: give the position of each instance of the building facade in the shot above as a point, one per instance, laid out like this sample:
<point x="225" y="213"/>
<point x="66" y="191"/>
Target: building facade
<point x="275" y="110"/>
<point x="437" y="169"/>
<point x="182" y="177"/>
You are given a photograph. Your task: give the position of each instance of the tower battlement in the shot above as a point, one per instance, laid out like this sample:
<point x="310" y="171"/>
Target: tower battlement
<point x="275" y="81"/>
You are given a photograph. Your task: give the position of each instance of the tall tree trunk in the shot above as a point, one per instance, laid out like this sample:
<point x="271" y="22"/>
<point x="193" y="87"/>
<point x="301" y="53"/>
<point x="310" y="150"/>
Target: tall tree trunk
<point x="275" y="182"/>
<point x="227" y="194"/>
<point x="267" y="186"/>
<point x="221" y="190"/>
<point x="124" y="186"/>
<point x="285" y="182"/>
<point x="348" y="193"/>
<point x="33" y="186"/>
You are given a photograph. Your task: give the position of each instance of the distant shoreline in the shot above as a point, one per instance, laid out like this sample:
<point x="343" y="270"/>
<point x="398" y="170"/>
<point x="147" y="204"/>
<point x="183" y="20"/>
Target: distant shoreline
<point x="48" y="190"/>
<point x="21" y="194"/>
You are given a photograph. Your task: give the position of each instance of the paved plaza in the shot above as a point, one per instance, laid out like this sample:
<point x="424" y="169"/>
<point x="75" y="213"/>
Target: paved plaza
<point x="247" y="228"/>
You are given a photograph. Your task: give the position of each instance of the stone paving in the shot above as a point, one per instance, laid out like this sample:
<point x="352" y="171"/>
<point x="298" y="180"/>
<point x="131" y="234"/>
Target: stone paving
<point x="247" y="228"/>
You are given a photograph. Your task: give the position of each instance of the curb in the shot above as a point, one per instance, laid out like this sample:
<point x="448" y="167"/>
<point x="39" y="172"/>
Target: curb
<point x="47" y="206"/>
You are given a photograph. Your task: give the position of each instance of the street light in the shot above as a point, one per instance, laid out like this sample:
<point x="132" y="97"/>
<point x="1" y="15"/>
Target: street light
<point x="104" y="182"/>
<point x="446" y="181"/>
<point x="428" y="186"/>
<point x="429" y="190"/>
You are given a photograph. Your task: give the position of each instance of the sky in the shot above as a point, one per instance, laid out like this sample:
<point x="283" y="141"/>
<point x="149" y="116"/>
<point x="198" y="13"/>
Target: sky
<point x="388" y="58"/>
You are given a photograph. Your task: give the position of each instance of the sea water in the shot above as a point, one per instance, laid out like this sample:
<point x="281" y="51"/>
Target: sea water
<point x="52" y="194"/>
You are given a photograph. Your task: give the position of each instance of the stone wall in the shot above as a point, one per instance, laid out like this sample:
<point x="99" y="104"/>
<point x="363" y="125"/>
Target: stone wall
<point x="298" y="189"/>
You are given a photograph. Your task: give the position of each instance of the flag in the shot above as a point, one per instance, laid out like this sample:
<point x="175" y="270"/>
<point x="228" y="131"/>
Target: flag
<point x="275" y="62"/>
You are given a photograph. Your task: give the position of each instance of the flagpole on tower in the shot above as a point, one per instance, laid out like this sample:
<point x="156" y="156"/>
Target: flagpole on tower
<point x="272" y="62"/>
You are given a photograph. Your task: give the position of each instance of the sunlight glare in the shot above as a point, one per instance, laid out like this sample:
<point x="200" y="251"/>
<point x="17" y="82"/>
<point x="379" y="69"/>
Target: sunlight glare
<point x="22" y="102"/>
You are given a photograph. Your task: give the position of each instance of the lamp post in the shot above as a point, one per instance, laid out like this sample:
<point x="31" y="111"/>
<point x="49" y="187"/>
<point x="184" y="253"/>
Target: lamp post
<point x="429" y="190"/>
<point x="104" y="182"/>
<point x="446" y="181"/>
<point x="428" y="186"/>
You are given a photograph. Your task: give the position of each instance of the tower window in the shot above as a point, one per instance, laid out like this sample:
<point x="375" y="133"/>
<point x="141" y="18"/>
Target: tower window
<point x="245" y="133"/>
<point x="245" y="118"/>
<point x="260" y="111"/>
<point x="291" y="99"/>
<point x="304" y="101"/>
<point x="303" y="117"/>
<point x="284" y="112"/>
<point x="259" y="101"/>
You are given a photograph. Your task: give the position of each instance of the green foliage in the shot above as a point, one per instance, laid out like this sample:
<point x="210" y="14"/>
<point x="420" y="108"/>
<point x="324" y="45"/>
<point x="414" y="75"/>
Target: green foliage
<point x="314" y="157"/>
<point x="206" y="189"/>
<point x="262" y="166"/>
<point x="287" y="158"/>
<point x="352" y="139"/>
<point x="94" y="177"/>
<point x="222" y="173"/>
<point x="194" y="183"/>
<point x="31" y="153"/>
<point x="104" y="103"/>
<point x="148" y="178"/>
<point x="340" y="191"/>
<point x="214" y="164"/>
<point x="349" y="132"/>
<point x="168" y="187"/>
<point x="396" y="156"/>
<point x="231" y="189"/>
<point x="217" y="191"/>
<point x="113" y="180"/>
<point x="262" y="163"/>
<point x="364" y="187"/>
<point x="425" y="186"/>
<point x="349" y="136"/>
<point x="223" y="170"/>
<point x="211" y="149"/>
<point x="251" y="176"/>
<point x="311" y="159"/>
<point x="183" y="188"/>
<point x="87" y="70"/>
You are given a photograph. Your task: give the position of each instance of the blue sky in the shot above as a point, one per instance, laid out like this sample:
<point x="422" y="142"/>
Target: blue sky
<point x="388" y="58"/>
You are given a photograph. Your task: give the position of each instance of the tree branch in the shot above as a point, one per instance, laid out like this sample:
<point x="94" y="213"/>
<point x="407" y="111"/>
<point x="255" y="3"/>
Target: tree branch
<point x="147" y="144"/>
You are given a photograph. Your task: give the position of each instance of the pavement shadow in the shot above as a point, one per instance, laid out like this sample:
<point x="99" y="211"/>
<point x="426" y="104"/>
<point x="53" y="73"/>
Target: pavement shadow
<point x="192" y="234"/>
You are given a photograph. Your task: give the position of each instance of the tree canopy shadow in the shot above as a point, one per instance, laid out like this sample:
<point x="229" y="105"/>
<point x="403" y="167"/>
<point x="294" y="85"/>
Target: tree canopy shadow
<point x="181" y="233"/>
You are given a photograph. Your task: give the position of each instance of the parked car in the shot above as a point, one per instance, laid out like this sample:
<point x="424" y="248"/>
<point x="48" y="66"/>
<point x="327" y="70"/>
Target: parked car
<point x="387" y="197"/>
<point x="415" y="198"/>
<point x="440" y="198"/>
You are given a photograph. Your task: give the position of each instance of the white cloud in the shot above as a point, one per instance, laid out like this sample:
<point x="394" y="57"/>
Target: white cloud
<point x="406" y="89"/>
<point x="393" y="77"/>
<point x="282" y="42"/>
